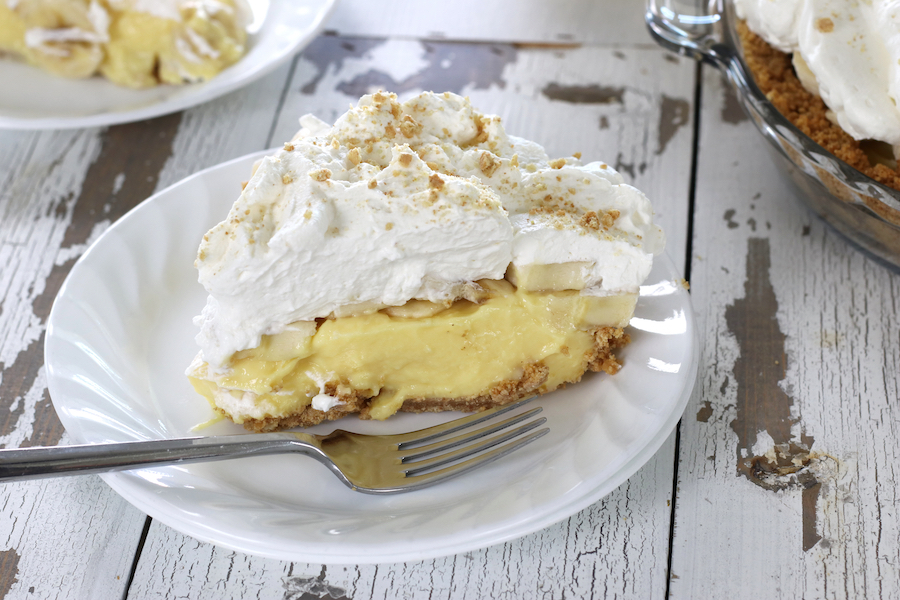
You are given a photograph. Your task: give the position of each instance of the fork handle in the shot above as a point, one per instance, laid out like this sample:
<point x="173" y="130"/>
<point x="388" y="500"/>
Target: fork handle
<point x="34" y="463"/>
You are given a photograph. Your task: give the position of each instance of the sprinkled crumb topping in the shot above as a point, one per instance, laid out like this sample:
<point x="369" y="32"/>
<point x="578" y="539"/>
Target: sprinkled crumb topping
<point x="411" y="200"/>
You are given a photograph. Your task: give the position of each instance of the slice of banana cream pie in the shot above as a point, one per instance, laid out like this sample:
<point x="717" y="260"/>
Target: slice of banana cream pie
<point x="415" y="257"/>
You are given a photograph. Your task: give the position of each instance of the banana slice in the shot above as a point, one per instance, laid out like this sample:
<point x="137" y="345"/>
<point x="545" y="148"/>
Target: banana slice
<point x="355" y="310"/>
<point x="295" y="341"/>
<point x="195" y="43"/>
<point x="210" y="38"/>
<point x="609" y="310"/>
<point x="63" y="37"/>
<point x="417" y="309"/>
<point x="548" y="278"/>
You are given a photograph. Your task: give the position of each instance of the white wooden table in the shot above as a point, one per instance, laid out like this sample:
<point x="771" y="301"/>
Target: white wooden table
<point x="801" y="341"/>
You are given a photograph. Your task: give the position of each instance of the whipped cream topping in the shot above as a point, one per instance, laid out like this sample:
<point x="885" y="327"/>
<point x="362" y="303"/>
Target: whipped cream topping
<point x="322" y="401"/>
<point x="408" y="201"/>
<point x="246" y="404"/>
<point x="851" y="50"/>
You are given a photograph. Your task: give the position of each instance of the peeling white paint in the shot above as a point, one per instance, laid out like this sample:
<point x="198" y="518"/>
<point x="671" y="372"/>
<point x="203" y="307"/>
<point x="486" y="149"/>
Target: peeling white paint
<point x="118" y="182"/>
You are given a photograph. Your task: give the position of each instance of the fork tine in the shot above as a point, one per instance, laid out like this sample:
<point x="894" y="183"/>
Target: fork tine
<point x="429" y="464"/>
<point x="419" y="452"/>
<point x="424" y="436"/>
<point x="433" y="477"/>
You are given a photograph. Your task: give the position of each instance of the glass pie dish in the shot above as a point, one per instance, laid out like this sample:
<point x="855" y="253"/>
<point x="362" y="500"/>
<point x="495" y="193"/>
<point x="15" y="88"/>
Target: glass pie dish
<point x="862" y="209"/>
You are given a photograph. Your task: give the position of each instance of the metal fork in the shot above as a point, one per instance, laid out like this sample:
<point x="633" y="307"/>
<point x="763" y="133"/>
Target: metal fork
<point x="373" y="464"/>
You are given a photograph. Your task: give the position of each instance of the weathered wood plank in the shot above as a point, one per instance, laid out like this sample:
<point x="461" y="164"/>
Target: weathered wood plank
<point x="61" y="190"/>
<point x="631" y="105"/>
<point x="800" y="371"/>
<point x="67" y="538"/>
<point x="42" y="522"/>
<point x="535" y="21"/>
<point x="615" y="549"/>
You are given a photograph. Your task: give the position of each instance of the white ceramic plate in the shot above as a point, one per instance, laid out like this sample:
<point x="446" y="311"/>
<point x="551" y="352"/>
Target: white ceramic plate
<point x="120" y="337"/>
<point x="33" y="99"/>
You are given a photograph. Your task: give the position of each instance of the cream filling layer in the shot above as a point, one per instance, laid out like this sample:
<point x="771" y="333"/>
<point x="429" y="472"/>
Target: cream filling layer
<point x="461" y="351"/>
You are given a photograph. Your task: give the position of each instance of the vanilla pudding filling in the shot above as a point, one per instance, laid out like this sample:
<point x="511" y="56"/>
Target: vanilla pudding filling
<point x="455" y="353"/>
<point x="414" y="257"/>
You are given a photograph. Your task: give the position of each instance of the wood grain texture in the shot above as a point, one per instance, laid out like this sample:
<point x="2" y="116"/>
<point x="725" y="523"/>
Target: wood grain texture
<point x="61" y="191"/>
<point x="74" y="537"/>
<point x="617" y="548"/>
<point x="787" y="485"/>
<point x="546" y="95"/>
<point x="529" y="21"/>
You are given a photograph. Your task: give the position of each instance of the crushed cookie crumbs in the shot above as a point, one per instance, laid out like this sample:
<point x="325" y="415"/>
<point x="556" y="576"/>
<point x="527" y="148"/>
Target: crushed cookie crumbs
<point x="609" y="218"/>
<point x="409" y="126"/>
<point x="825" y="25"/>
<point x="774" y="74"/>
<point x="435" y="181"/>
<point x="321" y="174"/>
<point x="590" y="220"/>
<point x="488" y="163"/>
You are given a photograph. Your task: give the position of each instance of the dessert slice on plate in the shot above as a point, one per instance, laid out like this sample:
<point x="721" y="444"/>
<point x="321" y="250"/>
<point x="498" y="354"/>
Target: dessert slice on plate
<point x="415" y="257"/>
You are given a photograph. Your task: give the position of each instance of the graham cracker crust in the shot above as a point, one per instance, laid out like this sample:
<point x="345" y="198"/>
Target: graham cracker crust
<point x="774" y="74"/>
<point x="600" y="358"/>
